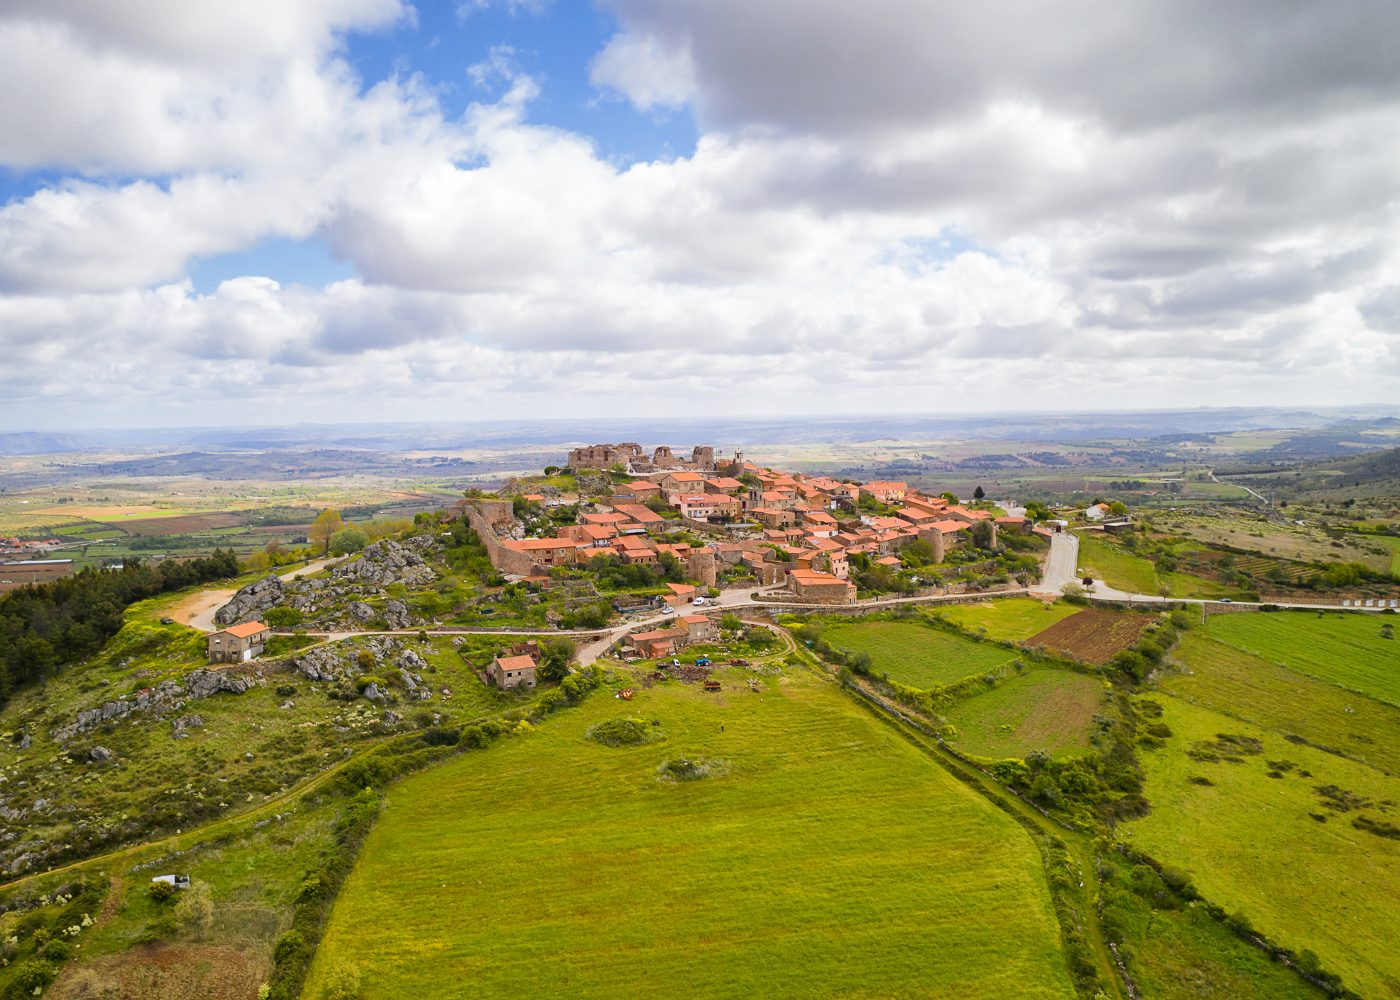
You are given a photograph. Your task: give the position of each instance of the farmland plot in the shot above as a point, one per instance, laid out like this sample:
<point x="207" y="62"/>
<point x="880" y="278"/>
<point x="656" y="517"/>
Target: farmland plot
<point x="1093" y="635"/>
<point x="918" y="655"/>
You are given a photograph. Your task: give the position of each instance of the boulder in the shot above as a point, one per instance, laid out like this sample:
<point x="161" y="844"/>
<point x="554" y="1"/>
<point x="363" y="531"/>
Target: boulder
<point x="319" y="664"/>
<point x="375" y="695"/>
<point x="252" y="602"/>
<point x="397" y="615"/>
<point x="99" y="755"/>
<point x="184" y="723"/>
<point x="204" y="683"/>
<point x="361" y="612"/>
<point x="390" y="717"/>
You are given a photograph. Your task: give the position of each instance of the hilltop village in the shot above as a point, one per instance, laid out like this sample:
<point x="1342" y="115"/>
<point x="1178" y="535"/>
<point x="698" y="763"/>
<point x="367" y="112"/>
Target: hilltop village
<point x="729" y="522"/>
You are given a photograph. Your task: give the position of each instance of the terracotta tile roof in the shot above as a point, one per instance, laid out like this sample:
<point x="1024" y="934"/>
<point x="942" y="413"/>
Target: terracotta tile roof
<point x="515" y="662"/>
<point x="247" y="630"/>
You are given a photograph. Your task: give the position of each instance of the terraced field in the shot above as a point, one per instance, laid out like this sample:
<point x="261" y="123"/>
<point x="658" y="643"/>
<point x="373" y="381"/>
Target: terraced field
<point x="918" y="655"/>
<point x="1343" y="649"/>
<point x="824" y="856"/>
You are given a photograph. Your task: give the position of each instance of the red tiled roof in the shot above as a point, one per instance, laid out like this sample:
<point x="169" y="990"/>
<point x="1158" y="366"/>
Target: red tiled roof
<point x="247" y="630"/>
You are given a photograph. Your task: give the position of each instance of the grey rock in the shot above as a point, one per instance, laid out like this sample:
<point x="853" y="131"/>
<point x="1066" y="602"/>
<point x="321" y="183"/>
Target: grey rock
<point x="390" y="717"/>
<point x="388" y="562"/>
<point x="251" y="602"/>
<point x="183" y="723"/>
<point x="361" y="611"/>
<point x="410" y="660"/>
<point x="397" y="615"/>
<point x="204" y="683"/>
<point x="25" y="741"/>
<point x="375" y="695"/>
<point x="319" y="664"/>
<point x="100" y="755"/>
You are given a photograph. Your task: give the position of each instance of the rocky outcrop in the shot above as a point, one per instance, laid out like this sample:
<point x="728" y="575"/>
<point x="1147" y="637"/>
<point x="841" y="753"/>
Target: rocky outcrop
<point x="388" y="562"/>
<point x="321" y="663"/>
<point x="252" y="602"/>
<point x="165" y="697"/>
<point x="361" y="612"/>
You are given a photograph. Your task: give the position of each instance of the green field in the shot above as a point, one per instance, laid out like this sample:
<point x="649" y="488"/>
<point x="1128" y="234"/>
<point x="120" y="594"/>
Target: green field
<point x="1115" y="566"/>
<point x="1393" y="544"/>
<point x="1013" y="618"/>
<point x="1241" y="685"/>
<point x="1343" y="649"/>
<point x="1122" y="570"/>
<point x="1250" y="843"/>
<point x="1050" y="710"/>
<point x="832" y="859"/>
<point x="917" y="655"/>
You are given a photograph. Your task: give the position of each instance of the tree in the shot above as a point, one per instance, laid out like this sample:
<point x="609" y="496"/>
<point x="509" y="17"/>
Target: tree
<point x="982" y="534"/>
<point x="978" y="493"/>
<point x="555" y="656"/>
<point x="348" y="540"/>
<point x="950" y="497"/>
<point x="327" y="523"/>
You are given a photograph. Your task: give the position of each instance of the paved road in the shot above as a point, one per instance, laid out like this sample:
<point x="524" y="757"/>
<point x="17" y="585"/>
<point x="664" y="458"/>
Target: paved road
<point x="1240" y="486"/>
<point x="1060" y="565"/>
<point x="198" y="610"/>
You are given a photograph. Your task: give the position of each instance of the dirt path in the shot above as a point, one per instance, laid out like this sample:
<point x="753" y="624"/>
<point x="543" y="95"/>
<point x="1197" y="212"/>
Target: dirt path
<point x="197" y="610"/>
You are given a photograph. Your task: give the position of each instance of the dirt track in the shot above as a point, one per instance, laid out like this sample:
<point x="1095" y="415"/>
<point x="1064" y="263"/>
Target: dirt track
<point x="197" y="610"/>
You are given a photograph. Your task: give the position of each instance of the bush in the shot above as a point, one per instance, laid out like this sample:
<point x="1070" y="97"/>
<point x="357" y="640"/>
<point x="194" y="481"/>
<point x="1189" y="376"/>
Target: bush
<point x="622" y="732"/>
<point x="348" y="540"/>
<point x="343" y="983"/>
<point x="161" y="892"/>
<point x="283" y="617"/>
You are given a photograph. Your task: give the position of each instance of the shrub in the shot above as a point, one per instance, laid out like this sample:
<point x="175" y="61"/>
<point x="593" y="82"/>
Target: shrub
<point x="283" y="617"/>
<point x="622" y="732"/>
<point x="161" y="892"/>
<point x="342" y="983"/>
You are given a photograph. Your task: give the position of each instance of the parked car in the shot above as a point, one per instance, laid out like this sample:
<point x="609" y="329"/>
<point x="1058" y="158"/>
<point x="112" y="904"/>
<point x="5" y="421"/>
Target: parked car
<point x="668" y="610"/>
<point x="167" y="621"/>
<point x="700" y="602"/>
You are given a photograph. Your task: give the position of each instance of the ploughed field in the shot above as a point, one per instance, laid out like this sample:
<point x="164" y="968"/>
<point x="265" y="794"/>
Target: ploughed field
<point x="815" y="853"/>
<point x="1093" y="636"/>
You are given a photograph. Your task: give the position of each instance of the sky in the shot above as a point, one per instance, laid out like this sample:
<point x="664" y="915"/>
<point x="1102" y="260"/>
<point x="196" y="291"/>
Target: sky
<point x="373" y="210"/>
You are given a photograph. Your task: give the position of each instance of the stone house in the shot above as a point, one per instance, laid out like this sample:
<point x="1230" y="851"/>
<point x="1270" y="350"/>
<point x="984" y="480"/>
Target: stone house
<point x="659" y="642"/>
<point x="238" y="643"/>
<point x="508" y="672"/>
<point x="699" y="628"/>
<point x="820" y="588"/>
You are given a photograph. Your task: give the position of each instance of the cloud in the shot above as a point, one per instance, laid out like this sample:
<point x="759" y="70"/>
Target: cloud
<point x="893" y="205"/>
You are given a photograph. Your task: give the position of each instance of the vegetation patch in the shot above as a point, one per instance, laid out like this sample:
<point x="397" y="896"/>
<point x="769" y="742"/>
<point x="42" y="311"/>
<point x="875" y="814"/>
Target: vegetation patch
<point x="624" y="732"/>
<point x="1343" y="649"/>
<point x="690" y="769"/>
<point x="1010" y="618"/>
<point x="1304" y="709"/>
<point x="1258" y="845"/>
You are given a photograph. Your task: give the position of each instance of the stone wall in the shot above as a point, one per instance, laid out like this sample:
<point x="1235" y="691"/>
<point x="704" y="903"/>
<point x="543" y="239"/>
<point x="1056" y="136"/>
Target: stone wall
<point x="486" y="517"/>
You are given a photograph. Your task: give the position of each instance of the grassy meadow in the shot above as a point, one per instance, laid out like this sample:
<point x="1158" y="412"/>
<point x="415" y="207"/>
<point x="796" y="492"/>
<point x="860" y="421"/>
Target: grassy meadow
<point x="824" y="856"/>
<point x="1278" y="849"/>
<point x="1050" y="710"/>
<point x="1340" y="648"/>
<point x="1012" y="618"/>
<point x="917" y="655"/>
<point x="1123" y="570"/>
<point x="1243" y="686"/>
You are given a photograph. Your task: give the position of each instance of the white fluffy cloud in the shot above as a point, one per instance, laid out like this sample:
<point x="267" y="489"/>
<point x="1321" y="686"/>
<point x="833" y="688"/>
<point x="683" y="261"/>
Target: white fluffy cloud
<point x="892" y="205"/>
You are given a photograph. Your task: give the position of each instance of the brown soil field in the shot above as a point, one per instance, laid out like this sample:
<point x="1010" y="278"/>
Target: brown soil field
<point x="13" y="576"/>
<point x="171" y="972"/>
<point x="180" y="524"/>
<point x="1093" y="636"/>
